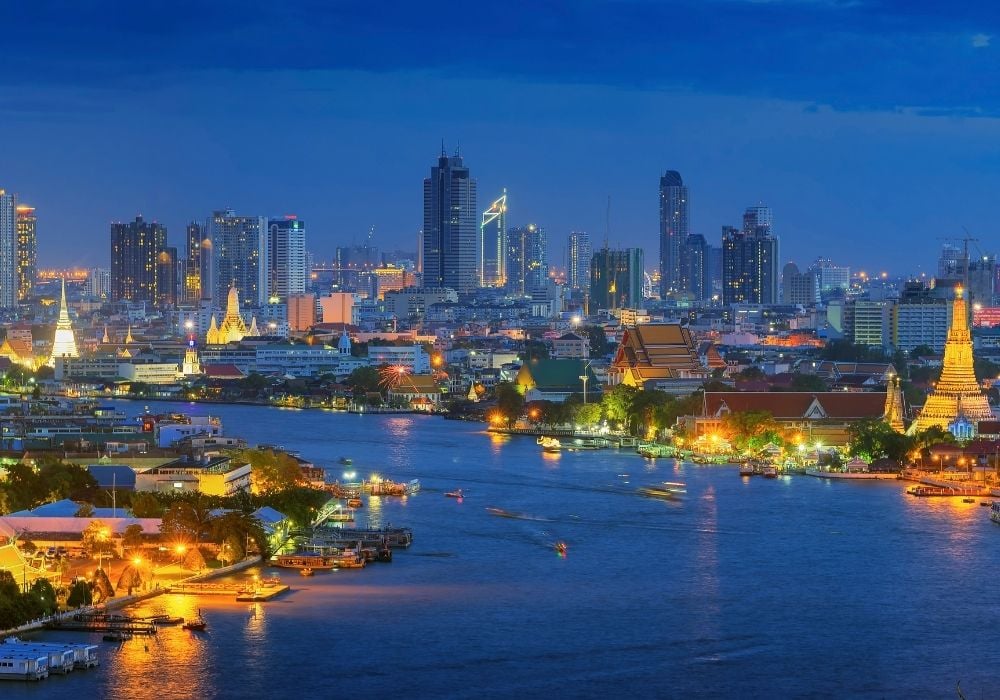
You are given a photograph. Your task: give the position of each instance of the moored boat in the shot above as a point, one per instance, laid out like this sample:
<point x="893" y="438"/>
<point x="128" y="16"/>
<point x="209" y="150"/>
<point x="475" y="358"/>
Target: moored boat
<point x="770" y="472"/>
<point x="457" y="493"/>
<point x="995" y="512"/>
<point x="304" y="561"/>
<point x="199" y="624"/>
<point x="550" y="444"/>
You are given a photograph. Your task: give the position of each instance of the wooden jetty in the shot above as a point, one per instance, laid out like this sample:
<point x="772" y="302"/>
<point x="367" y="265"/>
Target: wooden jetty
<point x="102" y="622"/>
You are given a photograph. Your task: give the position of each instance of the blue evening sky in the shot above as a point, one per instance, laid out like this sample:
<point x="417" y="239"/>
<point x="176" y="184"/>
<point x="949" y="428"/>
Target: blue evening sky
<point x="871" y="128"/>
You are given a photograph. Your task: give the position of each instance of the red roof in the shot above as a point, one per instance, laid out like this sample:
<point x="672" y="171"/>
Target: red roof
<point x="790" y="405"/>
<point x="222" y="371"/>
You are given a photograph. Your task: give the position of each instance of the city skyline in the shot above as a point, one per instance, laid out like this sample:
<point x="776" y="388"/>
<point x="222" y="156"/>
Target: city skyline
<point x="739" y="131"/>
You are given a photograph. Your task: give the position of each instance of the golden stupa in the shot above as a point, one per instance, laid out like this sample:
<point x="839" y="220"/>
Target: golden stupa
<point x="232" y="329"/>
<point x="957" y="393"/>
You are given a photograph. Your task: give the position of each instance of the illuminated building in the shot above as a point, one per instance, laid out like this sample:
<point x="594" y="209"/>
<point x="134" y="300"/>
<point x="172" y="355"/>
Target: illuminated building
<point x="527" y="259"/>
<point x="578" y="254"/>
<point x="64" y="343"/>
<point x="194" y="238"/>
<point x="673" y="230"/>
<point x="301" y="312"/>
<point x="750" y="260"/>
<point x="449" y="233"/>
<point x="389" y="278"/>
<point x="238" y="257"/>
<point x="232" y="328"/>
<point x="286" y="257"/>
<point x="135" y="248"/>
<point x="191" y="364"/>
<point x="166" y="277"/>
<point x="493" y="244"/>
<point x="27" y="251"/>
<point x="98" y="284"/>
<point x="695" y="279"/>
<point x="8" y="249"/>
<point x="616" y="279"/>
<point x="956" y="393"/>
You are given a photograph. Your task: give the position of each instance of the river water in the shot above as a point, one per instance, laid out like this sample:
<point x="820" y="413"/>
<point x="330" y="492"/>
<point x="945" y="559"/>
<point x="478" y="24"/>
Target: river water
<point x="793" y="587"/>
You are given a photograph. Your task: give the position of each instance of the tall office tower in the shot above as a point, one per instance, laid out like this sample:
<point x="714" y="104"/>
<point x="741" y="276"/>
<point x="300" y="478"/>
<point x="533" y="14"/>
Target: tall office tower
<point x="166" y="277"/>
<point x="239" y="257"/>
<point x="749" y="264"/>
<point x="493" y="244"/>
<point x="134" y="250"/>
<point x="527" y="259"/>
<point x="673" y="230"/>
<point x="286" y="257"/>
<point x="27" y="251"/>
<point x="799" y="287"/>
<point x="616" y="278"/>
<point x="578" y="257"/>
<point x="713" y="257"/>
<point x="695" y="277"/>
<point x="8" y="249"/>
<point x="757" y="220"/>
<point x="449" y="240"/>
<point x="831" y="277"/>
<point x="194" y="238"/>
<point x="98" y="285"/>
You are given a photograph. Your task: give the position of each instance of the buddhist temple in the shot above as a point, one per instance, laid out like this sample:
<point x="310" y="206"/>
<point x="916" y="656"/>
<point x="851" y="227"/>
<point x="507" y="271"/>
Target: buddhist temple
<point x="64" y="343"/>
<point x="232" y="329"/>
<point x="655" y="352"/>
<point x="957" y="393"/>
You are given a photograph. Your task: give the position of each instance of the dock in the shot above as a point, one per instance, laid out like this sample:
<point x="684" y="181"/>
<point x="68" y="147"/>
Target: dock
<point x="102" y="622"/>
<point x="261" y="591"/>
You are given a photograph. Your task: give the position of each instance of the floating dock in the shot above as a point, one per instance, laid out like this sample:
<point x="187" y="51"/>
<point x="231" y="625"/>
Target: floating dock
<point x="243" y="592"/>
<point x="102" y="622"/>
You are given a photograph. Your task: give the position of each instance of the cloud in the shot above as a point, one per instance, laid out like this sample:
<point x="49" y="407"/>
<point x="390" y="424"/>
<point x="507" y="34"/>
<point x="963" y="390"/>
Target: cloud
<point x="981" y="41"/>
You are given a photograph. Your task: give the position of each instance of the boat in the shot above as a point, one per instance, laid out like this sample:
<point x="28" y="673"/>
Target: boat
<point x="984" y="503"/>
<point x="669" y="490"/>
<point x="847" y="475"/>
<point x="457" y="493"/>
<point x="307" y="571"/>
<point x="196" y="625"/>
<point x="770" y="472"/>
<point x="968" y="500"/>
<point x="746" y="470"/>
<point x="561" y="548"/>
<point x="550" y="444"/>
<point x="995" y="512"/>
<point x="304" y="561"/>
<point x="412" y="486"/>
<point x="346" y="461"/>
<point x="166" y="620"/>
<point x="354" y="503"/>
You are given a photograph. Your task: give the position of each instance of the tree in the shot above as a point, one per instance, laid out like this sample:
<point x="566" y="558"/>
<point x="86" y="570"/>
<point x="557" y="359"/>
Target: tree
<point x="363" y="380"/>
<point x="43" y="596"/>
<point x="751" y="429"/>
<point x="146" y="505"/>
<point x="599" y="345"/>
<point x="589" y="414"/>
<point x="617" y="403"/>
<point x="510" y="402"/>
<point x="875" y="439"/>
<point x="84" y="511"/>
<point x="80" y="593"/>
<point x="847" y="351"/>
<point x="233" y="529"/>
<point x="808" y="382"/>
<point x="186" y="521"/>
<point x="271" y="471"/>
<point x="132" y="537"/>
<point x="535" y="350"/>
<point x="97" y="538"/>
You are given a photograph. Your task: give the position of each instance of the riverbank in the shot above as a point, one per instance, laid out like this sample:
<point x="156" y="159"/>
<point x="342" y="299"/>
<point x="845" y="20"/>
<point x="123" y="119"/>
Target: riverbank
<point x="118" y="603"/>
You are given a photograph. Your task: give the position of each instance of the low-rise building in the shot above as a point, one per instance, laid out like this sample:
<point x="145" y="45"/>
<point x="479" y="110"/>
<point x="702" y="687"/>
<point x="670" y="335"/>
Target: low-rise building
<point x="219" y="476"/>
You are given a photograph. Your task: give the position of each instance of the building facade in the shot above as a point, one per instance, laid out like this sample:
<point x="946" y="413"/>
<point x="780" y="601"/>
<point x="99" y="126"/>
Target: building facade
<point x="27" y="250"/>
<point x="695" y="275"/>
<point x="8" y="249"/>
<point x="286" y="257"/>
<point x="449" y="233"/>
<point x="799" y="287"/>
<point x="527" y="259"/>
<point x="135" y="247"/>
<point x="673" y="230"/>
<point x="238" y="257"/>
<point x="578" y="257"/>
<point x="616" y="278"/>
<point x="750" y="261"/>
<point x="493" y="244"/>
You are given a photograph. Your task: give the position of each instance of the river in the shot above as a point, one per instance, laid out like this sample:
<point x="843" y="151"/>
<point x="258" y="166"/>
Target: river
<point x="745" y="588"/>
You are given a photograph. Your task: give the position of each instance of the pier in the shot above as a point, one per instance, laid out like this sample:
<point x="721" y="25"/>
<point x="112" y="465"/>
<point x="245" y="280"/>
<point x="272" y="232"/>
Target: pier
<point x="258" y="591"/>
<point x="102" y="622"/>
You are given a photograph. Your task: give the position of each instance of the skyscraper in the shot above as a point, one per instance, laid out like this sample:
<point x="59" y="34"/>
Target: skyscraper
<point x="493" y="244"/>
<point x="194" y="238"/>
<point x="27" y="251"/>
<point x="695" y="279"/>
<point x="166" y="277"/>
<point x="286" y="257"/>
<point x="238" y="257"/>
<point x="616" y="278"/>
<point x="527" y="259"/>
<point x="578" y="258"/>
<point x="134" y="250"/>
<point x="449" y="234"/>
<point x="750" y="260"/>
<point x="8" y="249"/>
<point x="673" y="230"/>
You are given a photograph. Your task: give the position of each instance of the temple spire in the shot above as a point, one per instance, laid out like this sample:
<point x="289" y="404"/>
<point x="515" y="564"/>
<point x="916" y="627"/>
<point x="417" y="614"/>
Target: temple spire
<point x="64" y="342"/>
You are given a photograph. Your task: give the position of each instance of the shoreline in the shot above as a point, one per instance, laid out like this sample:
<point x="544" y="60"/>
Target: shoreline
<point x="119" y="603"/>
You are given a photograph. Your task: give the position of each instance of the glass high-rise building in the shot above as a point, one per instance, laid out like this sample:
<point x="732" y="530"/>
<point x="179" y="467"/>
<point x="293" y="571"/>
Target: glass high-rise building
<point x="527" y="259"/>
<point x="673" y="230"/>
<point x="27" y="251"/>
<point x="8" y="249"/>
<point x="616" y="279"/>
<point x="197" y="247"/>
<point x="578" y="258"/>
<point x="695" y="279"/>
<point x="135" y="247"/>
<point x="750" y="260"/>
<point x="493" y="244"/>
<point x="166" y="277"/>
<point x="450" y="220"/>
<point x="238" y="257"/>
<point x="286" y="257"/>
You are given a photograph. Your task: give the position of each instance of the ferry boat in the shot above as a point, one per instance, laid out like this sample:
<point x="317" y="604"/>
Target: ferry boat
<point x="304" y="561"/>
<point x="995" y="512"/>
<point x="354" y="503"/>
<point x="550" y="444"/>
<point x="23" y="665"/>
<point x="770" y="472"/>
<point x="196" y="625"/>
<point x="746" y="470"/>
<point x="346" y="461"/>
<point x="457" y="493"/>
<point x="669" y="490"/>
<point x="928" y="491"/>
<point x="869" y="476"/>
<point x="350" y="559"/>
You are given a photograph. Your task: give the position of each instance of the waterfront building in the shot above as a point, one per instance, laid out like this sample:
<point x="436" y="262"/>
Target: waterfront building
<point x="527" y="259"/>
<point x="750" y="260"/>
<point x="147" y="371"/>
<point x="220" y="476"/>
<point x="64" y="343"/>
<point x="135" y="247"/>
<point x="412" y="357"/>
<point x="418" y="391"/>
<point x="27" y="250"/>
<point x="556" y="380"/>
<point x="578" y="257"/>
<point x="799" y="287"/>
<point x="297" y="360"/>
<point x="449" y="233"/>
<point x="233" y="328"/>
<point x="956" y="393"/>
<point x="673" y="230"/>
<point x="493" y="244"/>
<point x="191" y="364"/>
<point x="238" y="254"/>
<point x="8" y="249"/>
<point x="286" y="257"/>
<point x="651" y="355"/>
<point x="616" y="279"/>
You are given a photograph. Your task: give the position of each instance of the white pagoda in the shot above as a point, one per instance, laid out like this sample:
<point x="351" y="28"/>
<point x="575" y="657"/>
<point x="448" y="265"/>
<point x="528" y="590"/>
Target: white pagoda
<point x="64" y="343"/>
